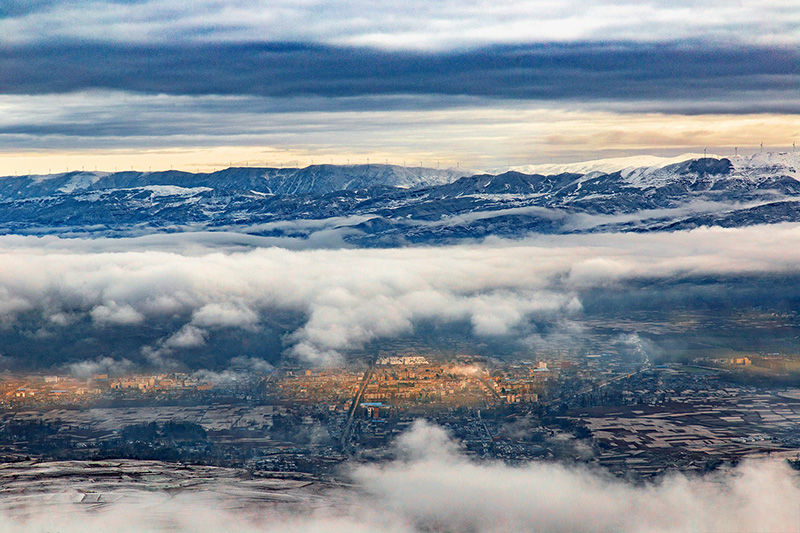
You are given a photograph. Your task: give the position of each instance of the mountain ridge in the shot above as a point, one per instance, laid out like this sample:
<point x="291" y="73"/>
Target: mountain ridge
<point x="314" y="178"/>
<point x="386" y="205"/>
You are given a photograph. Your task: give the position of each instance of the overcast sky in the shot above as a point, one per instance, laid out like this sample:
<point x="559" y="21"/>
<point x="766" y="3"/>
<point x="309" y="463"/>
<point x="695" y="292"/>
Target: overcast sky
<point x="204" y="83"/>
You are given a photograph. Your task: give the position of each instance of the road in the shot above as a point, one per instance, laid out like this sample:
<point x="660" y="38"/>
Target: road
<point x="356" y="400"/>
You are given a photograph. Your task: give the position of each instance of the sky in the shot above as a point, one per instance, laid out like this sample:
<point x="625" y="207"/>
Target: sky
<point x="207" y="84"/>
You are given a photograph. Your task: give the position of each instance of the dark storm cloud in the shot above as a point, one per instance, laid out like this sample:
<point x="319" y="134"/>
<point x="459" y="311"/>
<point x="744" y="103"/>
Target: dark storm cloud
<point x="590" y="72"/>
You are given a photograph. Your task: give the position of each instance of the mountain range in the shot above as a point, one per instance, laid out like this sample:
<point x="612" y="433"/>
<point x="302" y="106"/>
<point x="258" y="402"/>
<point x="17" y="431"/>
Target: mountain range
<point x="388" y="205"/>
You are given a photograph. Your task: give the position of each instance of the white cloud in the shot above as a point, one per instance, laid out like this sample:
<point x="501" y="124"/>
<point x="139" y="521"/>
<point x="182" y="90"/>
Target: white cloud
<point x="113" y="313"/>
<point x="187" y="337"/>
<point x="349" y="297"/>
<point x="11" y="305"/>
<point x="102" y="365"/>
<point x="240" y="370"/>
<point x="226" y="314"/>
<point x="208" y="132"/>
<point x="433" y="487"/>
<point x="415" y="24"/>
<point x="62" y="319"/>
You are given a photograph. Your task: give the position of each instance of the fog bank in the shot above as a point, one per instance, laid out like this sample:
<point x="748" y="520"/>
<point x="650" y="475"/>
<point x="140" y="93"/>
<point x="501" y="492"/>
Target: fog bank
<point x="346" y="298"/>
<point x="433" y="487"/>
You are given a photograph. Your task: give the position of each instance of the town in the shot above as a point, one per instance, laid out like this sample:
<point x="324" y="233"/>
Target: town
<point x="622" y="413"/>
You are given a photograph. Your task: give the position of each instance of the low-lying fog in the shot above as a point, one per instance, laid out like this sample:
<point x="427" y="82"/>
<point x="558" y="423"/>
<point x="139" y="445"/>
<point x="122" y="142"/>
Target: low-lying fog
<point x="130" y="302"/>
<point x="433" y="487"/>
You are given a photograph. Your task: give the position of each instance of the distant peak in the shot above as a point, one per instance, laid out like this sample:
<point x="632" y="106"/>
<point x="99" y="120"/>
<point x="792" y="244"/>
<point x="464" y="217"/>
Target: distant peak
<point x="763" y="159"/>
<point x="608" y="165"/>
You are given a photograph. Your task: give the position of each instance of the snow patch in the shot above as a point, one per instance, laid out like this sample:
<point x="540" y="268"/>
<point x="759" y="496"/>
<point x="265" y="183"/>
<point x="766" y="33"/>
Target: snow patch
<point x="174" y="190"/>
<point x="84" y="180"/>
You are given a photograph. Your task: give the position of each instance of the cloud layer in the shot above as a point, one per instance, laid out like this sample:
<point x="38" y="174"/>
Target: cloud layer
<point x="432" y="487"/>
<point x="289" y="101"/>
<point x="320" y="79"/>
<point x="435" y="485"/>
<point x="608" y="72"/>
<point x="346" y="298"/>
<point x="411" y="24"/>
<point x="108" y="130"/>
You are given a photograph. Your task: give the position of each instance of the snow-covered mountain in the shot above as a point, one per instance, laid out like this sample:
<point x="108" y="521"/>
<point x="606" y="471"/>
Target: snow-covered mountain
<point x="604" y="165"/>
<point x="380" y="205"/>
<point x="315" y="179"/>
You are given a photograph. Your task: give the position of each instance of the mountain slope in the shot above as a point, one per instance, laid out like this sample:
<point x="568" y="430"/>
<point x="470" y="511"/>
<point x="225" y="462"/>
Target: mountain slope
<point x="317" y="179"/>
<point x="384" y="205"/>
